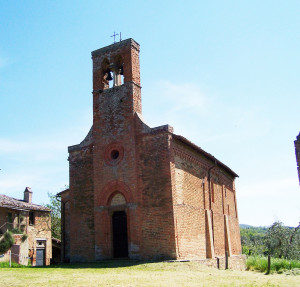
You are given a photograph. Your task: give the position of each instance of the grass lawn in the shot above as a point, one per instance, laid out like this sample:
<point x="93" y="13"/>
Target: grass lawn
<point x="260" y="263"/>
<point x="130" y="273"/>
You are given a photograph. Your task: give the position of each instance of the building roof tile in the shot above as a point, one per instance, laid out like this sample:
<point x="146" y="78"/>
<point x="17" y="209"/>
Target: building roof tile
<point x="13" y="203"/>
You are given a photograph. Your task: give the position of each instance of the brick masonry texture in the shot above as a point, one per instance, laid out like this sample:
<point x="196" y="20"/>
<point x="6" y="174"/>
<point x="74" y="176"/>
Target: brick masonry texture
<point x="180" y="202"/>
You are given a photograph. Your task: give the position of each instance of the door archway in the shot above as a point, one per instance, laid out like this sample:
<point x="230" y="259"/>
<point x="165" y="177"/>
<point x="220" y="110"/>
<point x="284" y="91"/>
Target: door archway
<point x="120" y="237"/>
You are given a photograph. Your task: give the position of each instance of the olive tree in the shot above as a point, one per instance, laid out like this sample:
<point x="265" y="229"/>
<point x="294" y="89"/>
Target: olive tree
<point x="283" y="241"/>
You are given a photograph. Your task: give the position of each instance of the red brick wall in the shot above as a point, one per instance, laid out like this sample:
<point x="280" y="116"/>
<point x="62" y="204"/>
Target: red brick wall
<point x="193" y="194"/>
<point x="189" y="209"/>
<point x="114" y="129"/>
<point x="158" y="238"/>
<point x="81" y="205"/>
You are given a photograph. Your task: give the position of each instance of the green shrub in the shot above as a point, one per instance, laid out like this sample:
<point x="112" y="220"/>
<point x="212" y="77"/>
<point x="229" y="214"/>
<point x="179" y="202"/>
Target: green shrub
<point x="260" y="263"/>
<point x="6" y="242"/>
<point x="16" y="231"/>
<point x="24" y="237"/>
<point x="245" y="250"/>
<point x="252" y="239"/>
<point x="13" y="264"/>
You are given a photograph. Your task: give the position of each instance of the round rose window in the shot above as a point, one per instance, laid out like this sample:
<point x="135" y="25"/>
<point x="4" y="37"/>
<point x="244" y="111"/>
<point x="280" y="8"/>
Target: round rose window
<point x="113" y="153"/>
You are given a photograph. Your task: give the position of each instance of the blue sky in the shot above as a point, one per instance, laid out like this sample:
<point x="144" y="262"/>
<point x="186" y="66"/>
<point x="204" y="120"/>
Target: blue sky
<point x="224" y="74"/>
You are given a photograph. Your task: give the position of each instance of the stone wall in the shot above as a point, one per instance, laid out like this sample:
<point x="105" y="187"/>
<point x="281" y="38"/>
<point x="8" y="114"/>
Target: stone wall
<point x="20" y="250"/>
<point x="235" y="262"/>
<point x="40" y="230"/>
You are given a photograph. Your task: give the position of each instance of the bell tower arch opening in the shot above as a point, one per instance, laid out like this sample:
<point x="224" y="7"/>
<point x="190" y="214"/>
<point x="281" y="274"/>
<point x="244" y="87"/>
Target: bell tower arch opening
<point x="112" y="71"/>
<point x="118" y="70"/>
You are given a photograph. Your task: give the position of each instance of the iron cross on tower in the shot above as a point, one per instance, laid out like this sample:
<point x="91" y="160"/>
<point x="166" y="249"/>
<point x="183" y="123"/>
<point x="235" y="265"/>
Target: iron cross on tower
<point x="114" y="35"/>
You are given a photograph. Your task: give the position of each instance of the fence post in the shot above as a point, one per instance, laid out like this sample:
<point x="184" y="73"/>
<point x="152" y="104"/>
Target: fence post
<point x="226" y="260"/>
<point x="10" y="258"/>
<point x="269" y="265"/>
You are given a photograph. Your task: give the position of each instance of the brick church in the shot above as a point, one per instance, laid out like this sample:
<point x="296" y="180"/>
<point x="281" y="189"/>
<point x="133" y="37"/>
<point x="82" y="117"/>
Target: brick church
<point x="139" y="192"/>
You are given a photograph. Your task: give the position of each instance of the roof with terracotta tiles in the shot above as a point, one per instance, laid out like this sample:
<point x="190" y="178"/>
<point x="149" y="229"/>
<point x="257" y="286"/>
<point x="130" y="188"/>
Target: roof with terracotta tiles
<point x="13" y="203"/>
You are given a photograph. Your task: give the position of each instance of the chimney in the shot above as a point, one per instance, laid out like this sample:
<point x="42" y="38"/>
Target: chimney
<point x="28" y="195"/>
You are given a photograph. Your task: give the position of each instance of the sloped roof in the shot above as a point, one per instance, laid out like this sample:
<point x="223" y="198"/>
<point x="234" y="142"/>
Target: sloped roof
<point x="60" y="193"/>
<point x="13" y="203"/>
<point x="206" y="154"/>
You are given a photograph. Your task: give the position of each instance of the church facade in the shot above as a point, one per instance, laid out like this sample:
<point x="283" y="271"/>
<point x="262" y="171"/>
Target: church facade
<point x="139" y="192"/>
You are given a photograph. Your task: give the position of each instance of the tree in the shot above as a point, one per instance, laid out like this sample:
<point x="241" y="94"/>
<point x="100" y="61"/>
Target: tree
<point x="55" y="207"/>
<point x="252" y="239"/>
<point x="6" y="242"/>
<point x="283" y="241"/>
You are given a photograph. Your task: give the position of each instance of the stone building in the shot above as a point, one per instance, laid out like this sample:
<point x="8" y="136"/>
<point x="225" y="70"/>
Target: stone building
<point x="23" y="217"/>
<point x="297" y="151"/>
<point x="142" y="192"/>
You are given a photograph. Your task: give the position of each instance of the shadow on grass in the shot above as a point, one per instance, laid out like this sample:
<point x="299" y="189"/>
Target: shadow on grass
<point x="103" y="264"/>
<point x="112" y="263"/>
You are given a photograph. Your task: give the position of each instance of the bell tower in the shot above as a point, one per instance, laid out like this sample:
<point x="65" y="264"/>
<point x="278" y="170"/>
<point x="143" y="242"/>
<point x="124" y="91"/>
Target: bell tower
<point x="116" y="87"/>
<point x="116" y="100"/>
<point x="119" y="59"/>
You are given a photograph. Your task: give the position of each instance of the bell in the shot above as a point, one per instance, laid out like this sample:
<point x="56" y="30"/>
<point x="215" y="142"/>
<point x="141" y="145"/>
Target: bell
<point x="109" y="77"/>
